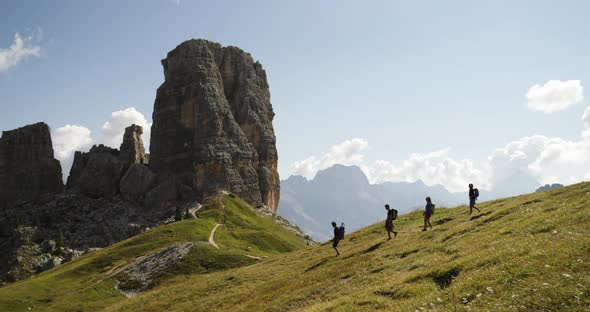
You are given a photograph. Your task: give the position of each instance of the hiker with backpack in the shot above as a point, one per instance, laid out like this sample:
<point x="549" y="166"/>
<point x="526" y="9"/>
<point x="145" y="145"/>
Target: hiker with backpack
<point x="338" y="236"/>
<point x="473" y="195"/>
<point x="391" y="215"/>
<point x="428" y="212"/>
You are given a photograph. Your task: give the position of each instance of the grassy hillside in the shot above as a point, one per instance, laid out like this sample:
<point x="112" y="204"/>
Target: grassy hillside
<point x="525" y="253"/>
<point x="88" y="283"/>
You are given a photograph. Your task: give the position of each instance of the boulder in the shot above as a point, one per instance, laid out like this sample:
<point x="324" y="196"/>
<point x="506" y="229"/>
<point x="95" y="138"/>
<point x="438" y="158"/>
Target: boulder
<point x="48" y="246"/>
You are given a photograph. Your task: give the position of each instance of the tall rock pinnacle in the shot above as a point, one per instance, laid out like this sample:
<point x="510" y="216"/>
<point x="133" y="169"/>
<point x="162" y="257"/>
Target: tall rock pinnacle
<point x="212" y="123"/>
<point x="132" y="150"/>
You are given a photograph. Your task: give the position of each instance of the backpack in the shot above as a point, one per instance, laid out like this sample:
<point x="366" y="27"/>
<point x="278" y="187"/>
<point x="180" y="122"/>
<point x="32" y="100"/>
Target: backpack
<point x="476" y="192"/>
<point x="394" y="214"/>
<point x="433" y="206"/>
<point x="340" y="232"/>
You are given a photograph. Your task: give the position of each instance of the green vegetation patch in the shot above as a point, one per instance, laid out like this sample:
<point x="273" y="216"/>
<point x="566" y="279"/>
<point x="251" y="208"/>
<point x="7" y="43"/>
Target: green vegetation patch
<point x="88" y="283"/>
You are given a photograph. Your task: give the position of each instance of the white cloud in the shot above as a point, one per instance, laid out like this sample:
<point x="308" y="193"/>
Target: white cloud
<point x="67" y="140"/>
<point x="18" y="51"/>
<point x="432" y="168"/>
<point x="586" y="120"/>
<point x="345" y="153"/>
<point x="554" y="95"/>
<point x="532" y="158"/>
<point x="549" y="160"/>
<point x="112" y="131"/>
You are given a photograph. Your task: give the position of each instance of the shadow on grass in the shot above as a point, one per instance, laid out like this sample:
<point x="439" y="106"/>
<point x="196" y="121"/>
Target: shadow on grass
<point x="480" y="215"/>
<point x="394" y="294"/>
<point x="373" y="248"/>
<point x="496" y="217"/>
<point x="442" y="221"/>
<point x="315" y="266"/>
<point x="442" y="279"/>
<point x="407" y="253"/>
<point x="445" y="278"/>
<point x="531" y="202"/>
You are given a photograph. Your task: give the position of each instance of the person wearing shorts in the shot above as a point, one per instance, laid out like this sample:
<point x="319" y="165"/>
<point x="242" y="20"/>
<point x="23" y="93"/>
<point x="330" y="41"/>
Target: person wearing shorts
<point x="391" y="215"/>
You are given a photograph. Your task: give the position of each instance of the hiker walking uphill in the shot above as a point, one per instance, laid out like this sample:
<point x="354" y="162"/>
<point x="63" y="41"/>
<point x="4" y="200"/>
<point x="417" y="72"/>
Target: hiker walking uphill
<point x="338" y="236"/>
<point x="391" y="215"/>
<point x="428" y="212"/>
<point x="473" y="195"/>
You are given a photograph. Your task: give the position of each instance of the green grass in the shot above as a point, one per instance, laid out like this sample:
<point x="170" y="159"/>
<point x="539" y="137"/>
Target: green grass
<point x="87" y="283"/>
<point x="526" y="253"/>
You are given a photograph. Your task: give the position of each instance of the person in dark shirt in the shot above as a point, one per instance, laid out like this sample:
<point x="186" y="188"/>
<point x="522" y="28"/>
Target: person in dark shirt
<point x="335" y="240"/>
<point x="428" y="211"/>
<point x="391" y="215"/>
<point x="472" y="199"/>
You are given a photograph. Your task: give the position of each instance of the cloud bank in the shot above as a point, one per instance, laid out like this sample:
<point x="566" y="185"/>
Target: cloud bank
<point x="436" y="167"/>
<point x="348" y="152"/>
<point x="554" y="96"/>
<point x="544" y="159"/>
<point x="19" y="50"/>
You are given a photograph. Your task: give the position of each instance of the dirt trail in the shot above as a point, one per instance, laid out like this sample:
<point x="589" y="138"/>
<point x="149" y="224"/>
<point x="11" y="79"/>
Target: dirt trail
<point x="211" y="240"/>
<point x="193" y="211"/>
<point x="254" y="257"/>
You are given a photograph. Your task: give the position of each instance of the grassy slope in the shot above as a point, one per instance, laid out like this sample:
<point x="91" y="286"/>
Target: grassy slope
<point x="88" y="282"/>
<point x="525" y="253"/>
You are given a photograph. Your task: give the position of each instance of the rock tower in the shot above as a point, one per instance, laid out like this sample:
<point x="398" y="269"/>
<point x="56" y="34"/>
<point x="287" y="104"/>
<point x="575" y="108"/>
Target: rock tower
<point x="212" y="123"/>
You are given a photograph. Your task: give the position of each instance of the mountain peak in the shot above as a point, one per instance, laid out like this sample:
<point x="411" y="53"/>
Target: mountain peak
<point x="339" y="173"/>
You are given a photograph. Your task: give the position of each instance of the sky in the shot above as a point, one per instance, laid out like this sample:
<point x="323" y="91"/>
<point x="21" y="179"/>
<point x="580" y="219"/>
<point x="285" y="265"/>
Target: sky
<point x="447" y="92"/>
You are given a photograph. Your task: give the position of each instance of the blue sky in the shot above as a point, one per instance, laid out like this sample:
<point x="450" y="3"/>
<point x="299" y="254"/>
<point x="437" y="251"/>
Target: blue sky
<point x="445" y="81"/>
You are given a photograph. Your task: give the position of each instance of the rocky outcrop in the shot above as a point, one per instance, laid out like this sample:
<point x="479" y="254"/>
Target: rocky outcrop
<point x="132" y="150"/>
<point x="212" y="124"/>
<point x="212" y="131"/>
<point x="28" y="170"/>
<point x="105" y="171"/>
<point x="81" y="224"/>
<point x="141" y="274"/>
<point x="548" y="187"/>
<point x="96" y="173"/>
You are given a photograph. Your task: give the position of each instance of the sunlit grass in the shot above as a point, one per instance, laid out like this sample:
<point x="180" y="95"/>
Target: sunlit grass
<point x="527" y="253"/>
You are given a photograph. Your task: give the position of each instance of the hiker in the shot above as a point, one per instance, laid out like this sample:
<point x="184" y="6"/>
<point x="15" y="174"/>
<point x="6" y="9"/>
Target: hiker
<point x="391" y="215"/>
<point x="338" y="236"/>
<point x="428" y="211"/>
<point x="473" y="194"/>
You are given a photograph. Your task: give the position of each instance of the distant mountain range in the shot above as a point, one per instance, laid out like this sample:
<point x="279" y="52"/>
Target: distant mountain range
<point x="343" y="194"/>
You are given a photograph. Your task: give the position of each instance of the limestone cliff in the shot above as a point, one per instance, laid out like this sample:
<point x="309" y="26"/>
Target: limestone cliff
<point x="212" y="123"/>
<point x="28" y="169"/>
